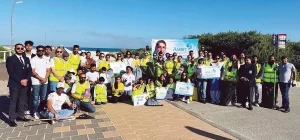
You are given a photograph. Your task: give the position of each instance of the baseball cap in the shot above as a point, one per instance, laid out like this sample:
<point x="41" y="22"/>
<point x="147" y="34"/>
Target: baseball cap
<point x="71" y="70"/>
<point x="60" y="85"/>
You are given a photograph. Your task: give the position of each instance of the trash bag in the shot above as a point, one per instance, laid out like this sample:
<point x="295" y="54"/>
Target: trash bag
<point x="152" y="102"/>
<point x="110" y="74"/>
<point x="138" y="73"/>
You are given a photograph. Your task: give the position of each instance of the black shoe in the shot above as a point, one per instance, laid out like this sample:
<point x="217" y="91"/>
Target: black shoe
<point x="250" y="108"/>
<point x="287" y="110"/>
<point x="233" y="104"/>
<point x="282" y="107"/>
<point x="12" y="124"/>
<point x="23" y="119"/>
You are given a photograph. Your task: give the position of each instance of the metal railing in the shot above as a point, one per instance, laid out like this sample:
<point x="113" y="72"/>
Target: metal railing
<point x="4" y="55"/>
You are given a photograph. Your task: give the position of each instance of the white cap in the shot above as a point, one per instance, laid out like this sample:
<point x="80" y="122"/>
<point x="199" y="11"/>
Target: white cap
<point x="60" y="85"/>
<point x="71" y="70"/>
<point x="83" y="51"/>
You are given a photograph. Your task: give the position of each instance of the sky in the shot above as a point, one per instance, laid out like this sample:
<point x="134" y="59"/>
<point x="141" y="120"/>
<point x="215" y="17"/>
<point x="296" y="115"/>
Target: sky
<point x="133" y="23"/>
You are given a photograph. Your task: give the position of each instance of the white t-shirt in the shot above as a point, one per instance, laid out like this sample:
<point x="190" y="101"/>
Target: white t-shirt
<point x="128" y="81"/>
<point x="73" y="79"/>
<point x="106" y="77"/>
<point x="82" y="60"/>
<point x="40" y="65"/>
<point x="96" y="60"/>
<point x="129" y="62"/>
<point x="58" y="101"/>
<point x="47" y="57"/>
<point x="92" y="76"/>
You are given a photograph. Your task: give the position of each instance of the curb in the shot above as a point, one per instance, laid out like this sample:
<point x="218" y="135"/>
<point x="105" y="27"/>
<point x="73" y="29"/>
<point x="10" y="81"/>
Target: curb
<point x="199" y="116"/>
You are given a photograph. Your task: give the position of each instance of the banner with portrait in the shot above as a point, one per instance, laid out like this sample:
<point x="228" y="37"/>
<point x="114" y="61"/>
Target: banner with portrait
<point x="117" y="67"/>
<point x="183" y="88"/>
<point x="179" y="46"/>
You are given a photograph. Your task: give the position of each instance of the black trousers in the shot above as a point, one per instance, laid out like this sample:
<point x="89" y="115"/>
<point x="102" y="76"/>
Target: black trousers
<point x="248" y="95"/>
<point x="17" y="102"/>
<point x="228" y="93"/>
<point x="28" y="100"/>
<point x="268" y="98"/>
<point x="116" y="99"/>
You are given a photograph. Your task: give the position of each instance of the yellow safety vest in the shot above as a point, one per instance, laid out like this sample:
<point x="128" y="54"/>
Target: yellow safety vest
<point x="60" y="70"/>
<point x="158" y="84"/>
<point x="169" y="66"/>
<point x="160" y="70"/>
<point x="103" y="63"/>
<point x="151" y="90"/>
<point x="231" y="75"/>
<point x="118" y="91"/>
<point x="171" y="86"/>
<point x="258" y="67"/>
<point x="100" y="93"/>
<point x="68" y="65"/>
<point x="137" y="91"/>
<point x="190" y="71"/>
<point x="270" y="74"/>
<point x="74" y="61"/>
<point x="144" y="62"/>
<point x="136" y="62"/>
<point x="80" y="90"/>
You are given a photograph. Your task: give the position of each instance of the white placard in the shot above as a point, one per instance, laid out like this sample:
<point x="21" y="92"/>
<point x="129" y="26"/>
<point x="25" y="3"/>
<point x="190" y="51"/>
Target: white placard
<point x="118" y="66"/>
<point x="161" y="93"/>
<point x="210" y="72"/>
<point x="139" y="100"/>
<point x="185" y="89"/>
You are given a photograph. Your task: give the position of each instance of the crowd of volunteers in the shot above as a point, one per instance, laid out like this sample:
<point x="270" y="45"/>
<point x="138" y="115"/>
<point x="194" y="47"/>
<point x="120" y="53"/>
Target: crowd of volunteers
<point x="57" y="86"/>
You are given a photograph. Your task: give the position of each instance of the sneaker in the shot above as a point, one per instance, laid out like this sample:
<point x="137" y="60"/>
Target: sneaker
<point x="287" y="110"/>
<point x="188" y="101"/>
<point x="52" y="122"/>
<point x="27" y="112"/>
<point x="247" y="104"/>
<point x="36" y="115"/>
<point x="183" y="99"/>
<point x="256" y="104"/>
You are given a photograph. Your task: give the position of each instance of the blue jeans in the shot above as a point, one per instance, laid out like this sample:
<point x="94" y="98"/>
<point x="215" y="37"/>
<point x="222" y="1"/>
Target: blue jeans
<point x="258" y="88"/>
<point x="61" y="113"/>
<point x="39" y="93"/>
<point x="127" y="95"/>
<point x="53" y="86"/>
<point x="87" y="106"/>
<point x="201" y="89"/>
<point x="284" y="89"/>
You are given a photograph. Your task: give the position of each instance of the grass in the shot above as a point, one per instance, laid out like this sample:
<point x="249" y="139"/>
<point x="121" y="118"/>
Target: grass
<point x="298" y="76"/>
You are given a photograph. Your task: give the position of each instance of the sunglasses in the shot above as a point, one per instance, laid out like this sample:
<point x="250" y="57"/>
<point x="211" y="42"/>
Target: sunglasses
<point x="58" y="51"/>
<point x="19" y="48"/>
<point x="217" y="58"/>
<point x="119" y="56"/>
<point x="82" y="77"/>
<point x="102" y="56"/>
<point x="118" y="79"/>
<point x="129" y="54"/>
<point x="40" y="50"/>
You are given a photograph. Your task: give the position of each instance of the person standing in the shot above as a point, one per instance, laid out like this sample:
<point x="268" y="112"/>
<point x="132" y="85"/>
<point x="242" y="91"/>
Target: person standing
<point x="19" y="70"/>
<point x="58" y="70"/>
<point x="215" y="92"/>
<point x="247" y="74"/>
<point x="28" y="53"/>
<point x="48" y="50"/>
<point x="128" y="79"/>
<point x="102" y="62"/>
<point x="228" y="86"/>
<point x="129" y="60"/>
<point x="74" y="58"/>
<point x="89" y="61"/>
<point x="287" y="75"/>
<point x="259" y="71"/>
<point x="68" y="66"/>
<point x="40" y="73"/>
<point x="201" y="82"/>
<point x="270" y="84"/>
<point x="92" y="76"/>
<point x="96" y="58"/>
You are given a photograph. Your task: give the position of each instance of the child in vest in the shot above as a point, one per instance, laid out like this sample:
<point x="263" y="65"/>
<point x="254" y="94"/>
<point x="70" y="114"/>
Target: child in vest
<point x="151" y="89"/>
<point x="100" y="92"/>
<point x="186" y="80"/>
<point x="171" y="88"/>
<point x="117" y="90"/>
<point x="137" y="90"/>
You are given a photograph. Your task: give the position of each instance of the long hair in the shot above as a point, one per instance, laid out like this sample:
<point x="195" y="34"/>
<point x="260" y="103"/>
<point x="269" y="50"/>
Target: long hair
<point x="116" y="84"/>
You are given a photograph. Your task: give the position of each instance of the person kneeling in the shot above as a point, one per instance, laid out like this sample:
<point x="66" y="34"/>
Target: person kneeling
<point x="54" y="105"/>
<point x="100" y="92"/>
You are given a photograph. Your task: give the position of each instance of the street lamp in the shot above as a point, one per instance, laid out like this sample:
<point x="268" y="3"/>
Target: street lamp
<point x="11" y="24"/>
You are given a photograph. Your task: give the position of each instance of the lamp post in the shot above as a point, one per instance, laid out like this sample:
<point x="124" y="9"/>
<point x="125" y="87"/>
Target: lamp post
<point x="11" y="24"/>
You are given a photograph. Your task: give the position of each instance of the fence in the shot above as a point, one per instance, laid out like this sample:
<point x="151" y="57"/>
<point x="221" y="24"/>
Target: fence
<point x="4" y="55"/>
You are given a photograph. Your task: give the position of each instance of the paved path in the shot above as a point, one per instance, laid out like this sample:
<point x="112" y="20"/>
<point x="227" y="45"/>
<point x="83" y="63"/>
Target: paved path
<point x="259" y="124"/>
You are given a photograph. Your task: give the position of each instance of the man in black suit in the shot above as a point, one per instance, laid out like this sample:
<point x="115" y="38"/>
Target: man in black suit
<point x="247" y="74"/>
<point x="19" y="71"/>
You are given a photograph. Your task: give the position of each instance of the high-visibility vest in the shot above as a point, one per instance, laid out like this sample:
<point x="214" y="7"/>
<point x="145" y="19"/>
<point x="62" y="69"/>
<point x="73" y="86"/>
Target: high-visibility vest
<point x="231" y="75"/>
<point x="137" y="91"/>
<point x="59" y="66"/>
<point x="136" y="62"/>
<point x="160" y="70"/>
<point x="118" y="91"/>
<point x="270" y="74"/>
<point x="74" y="61"/>
<point x="80" y="90"/>
<point x="158" y="84"/>
<point x="190" y="71"/>
<point x="68" y="65"/>
<point x="258" y="67"/>
<point x="151" y="90"/>
<point x="171" y="86"/>
<point x="100" y="93"/>
<point x="144" y="62"/>
<point x="169" y="66"/>
<point x="103" y="63"/>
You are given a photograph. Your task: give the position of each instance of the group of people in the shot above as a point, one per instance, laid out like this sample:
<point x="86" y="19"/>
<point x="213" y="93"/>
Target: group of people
<point x="57" y="86"/>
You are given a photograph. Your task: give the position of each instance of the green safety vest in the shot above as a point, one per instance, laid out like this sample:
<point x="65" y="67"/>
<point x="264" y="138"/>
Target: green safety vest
<point x="169" y="66"/>
<point x="231" y="75"/>
<point x="190" y="71"/>
<point x="270" y="74"/>
<point x="100" y="93"/>
<point x="151" y="90"/>
<point x="74" y="61"/>
<point x="159" y="69"/>
<point x="171" y="86"/>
